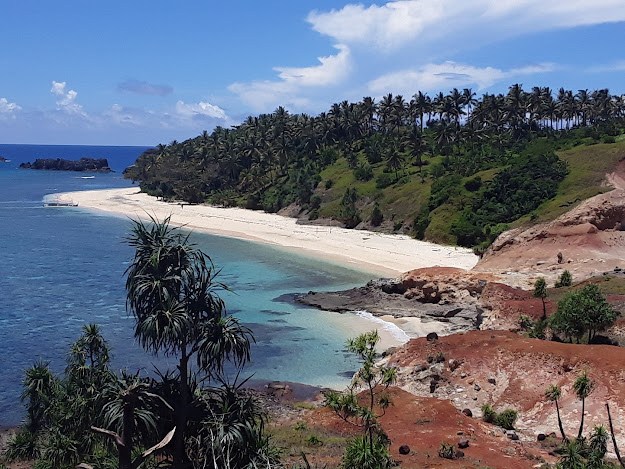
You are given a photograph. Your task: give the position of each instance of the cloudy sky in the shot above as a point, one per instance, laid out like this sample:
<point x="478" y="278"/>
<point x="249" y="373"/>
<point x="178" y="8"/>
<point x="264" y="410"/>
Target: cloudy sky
<point x="138" y="72"/>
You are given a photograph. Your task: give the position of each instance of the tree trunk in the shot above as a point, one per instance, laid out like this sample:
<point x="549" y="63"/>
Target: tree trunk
<point x="180" y="416"/>
<point x="560" y="422"/>
<point x="616" y="451"/>
<point x="581" y="425"/>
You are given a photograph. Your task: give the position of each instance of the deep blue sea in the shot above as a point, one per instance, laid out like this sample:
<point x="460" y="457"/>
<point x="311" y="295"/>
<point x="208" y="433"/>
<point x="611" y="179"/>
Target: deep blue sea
<point x="61" y="268"/>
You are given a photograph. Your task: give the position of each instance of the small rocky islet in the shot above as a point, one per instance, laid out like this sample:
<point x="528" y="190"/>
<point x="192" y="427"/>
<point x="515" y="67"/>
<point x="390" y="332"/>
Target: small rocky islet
<point x="92" y="165"/>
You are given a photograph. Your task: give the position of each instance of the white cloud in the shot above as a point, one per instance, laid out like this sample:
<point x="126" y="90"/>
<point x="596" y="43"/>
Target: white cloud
<point x="8" y="109"/>
<point x="66" y="100"/>
<point x="447" y="75"/>
<point x="420" y="22"/>
<point x="266" y="95"/>
<point x="199" y="109"/>
<point x="613" y="67"/>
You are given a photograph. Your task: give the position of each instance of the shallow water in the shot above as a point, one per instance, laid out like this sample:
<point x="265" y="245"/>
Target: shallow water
<point x="64" y="267"/>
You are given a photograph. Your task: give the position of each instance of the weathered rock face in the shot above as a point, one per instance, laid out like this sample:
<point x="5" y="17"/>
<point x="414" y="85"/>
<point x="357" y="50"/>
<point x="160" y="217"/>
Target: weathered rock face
<point x="590" y="239"/>
<point x="442" y="294"/>
<point x="99" y="165"/>
<point x="507" y="371"/>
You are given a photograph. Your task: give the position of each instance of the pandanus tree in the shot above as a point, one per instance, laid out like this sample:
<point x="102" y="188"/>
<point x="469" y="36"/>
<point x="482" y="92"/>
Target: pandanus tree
<point x="583" y="386"/>
<point x="552" y="394"/>
<point x="172" y="293"/>
<point x="129" y="412"/>
<point x="39" y="386"/>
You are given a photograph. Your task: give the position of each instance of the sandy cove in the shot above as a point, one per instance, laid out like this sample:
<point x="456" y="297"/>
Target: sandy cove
<point x="381" y="254"/>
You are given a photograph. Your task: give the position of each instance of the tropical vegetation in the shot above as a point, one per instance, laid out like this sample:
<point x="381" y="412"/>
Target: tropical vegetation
<point x="192" y="417"/>
<point x="449" y="168"/>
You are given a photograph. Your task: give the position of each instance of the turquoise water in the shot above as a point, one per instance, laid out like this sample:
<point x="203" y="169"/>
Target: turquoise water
<point x="63" y="267"/>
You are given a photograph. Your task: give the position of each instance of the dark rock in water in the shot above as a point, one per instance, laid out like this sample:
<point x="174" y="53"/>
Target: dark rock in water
<point x="346" y="374"/>
<point x="99" y="165"/>
<point x="431" y="336"/>
<point x="404" y="449"/>
<point x="2" y="158"/>
<point x="289" y="298"/>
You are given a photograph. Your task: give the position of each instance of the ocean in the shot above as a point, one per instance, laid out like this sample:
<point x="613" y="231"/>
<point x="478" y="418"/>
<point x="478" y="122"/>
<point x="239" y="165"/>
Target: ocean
<point x="63" y="267"/>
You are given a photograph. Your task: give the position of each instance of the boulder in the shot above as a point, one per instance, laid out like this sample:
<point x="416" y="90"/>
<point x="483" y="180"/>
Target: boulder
<point x="431" y="336"/>
<point x="463" y="443"/>
<point x="467" y="412"/>
<point x="404" y="449"/>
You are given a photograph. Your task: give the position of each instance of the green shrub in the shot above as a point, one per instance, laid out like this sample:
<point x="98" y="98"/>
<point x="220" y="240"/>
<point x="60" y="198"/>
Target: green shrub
<point x="376" y="215"/>
<point x="358" y="454"/>
<point x="22" y="446"/>
<point x="329" y="183"/>
<point x="608" y="139"/>
<point x="564" y="280"/>
<point x="363" y="172"/>
<point x="506" y="419"/>
<point x="488" y="414"/>
<point x="447" y="451"/>
<point x="315" y="202"/>
<point x="314" y="440"/>
<point x="383" y="180"/>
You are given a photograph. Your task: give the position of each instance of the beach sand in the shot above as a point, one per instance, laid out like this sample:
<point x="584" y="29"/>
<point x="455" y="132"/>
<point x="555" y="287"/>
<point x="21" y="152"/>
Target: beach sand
<point x="382" y="255"/>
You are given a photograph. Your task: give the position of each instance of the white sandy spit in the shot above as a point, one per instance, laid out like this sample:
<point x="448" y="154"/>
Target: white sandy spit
<point x="378" y="253"/>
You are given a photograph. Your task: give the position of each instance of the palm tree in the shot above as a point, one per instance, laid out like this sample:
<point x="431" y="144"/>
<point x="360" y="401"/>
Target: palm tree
<point x="583" y="386"/>
<point x="171" y="291"/>
<point x="553" y="393"/>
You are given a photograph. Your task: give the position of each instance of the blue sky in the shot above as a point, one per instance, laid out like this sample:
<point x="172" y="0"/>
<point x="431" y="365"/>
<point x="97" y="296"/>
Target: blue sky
<point x="138" y="72"/>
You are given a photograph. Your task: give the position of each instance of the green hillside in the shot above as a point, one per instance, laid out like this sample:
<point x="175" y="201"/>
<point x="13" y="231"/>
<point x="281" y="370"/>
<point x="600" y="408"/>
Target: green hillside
<point x="450" y="169"/>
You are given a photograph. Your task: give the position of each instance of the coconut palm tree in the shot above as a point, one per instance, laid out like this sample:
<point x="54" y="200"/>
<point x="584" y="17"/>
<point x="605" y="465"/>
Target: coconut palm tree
<point x="583" y="386"/>
<point x="553" y="393"/>
<point x="172" y="293"/>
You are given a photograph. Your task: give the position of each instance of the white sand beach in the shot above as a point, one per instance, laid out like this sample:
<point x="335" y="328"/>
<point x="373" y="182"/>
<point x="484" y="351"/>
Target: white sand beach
<point x="377" y="253"/>
<point x="381" y="254"/>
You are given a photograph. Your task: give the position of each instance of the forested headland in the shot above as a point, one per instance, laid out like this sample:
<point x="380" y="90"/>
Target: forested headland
<point x="449" y="168"/>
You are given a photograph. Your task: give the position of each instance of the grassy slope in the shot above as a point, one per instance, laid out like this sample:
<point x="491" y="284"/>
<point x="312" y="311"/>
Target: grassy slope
<point x="588" y="165"/>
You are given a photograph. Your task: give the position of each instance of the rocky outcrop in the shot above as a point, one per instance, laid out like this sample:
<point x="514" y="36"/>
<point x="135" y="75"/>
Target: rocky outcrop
<point x="99" y="165"/>
<point x="505" y="370"/>
<point x="587" y="240"/>
<point x="3" y="159"/>
<point x="444" y="294"/>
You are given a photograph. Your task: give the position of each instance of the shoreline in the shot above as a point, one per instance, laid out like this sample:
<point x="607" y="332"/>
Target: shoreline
<point x="379" y="254"/>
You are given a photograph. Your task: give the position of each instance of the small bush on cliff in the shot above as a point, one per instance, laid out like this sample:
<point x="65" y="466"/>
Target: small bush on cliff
<point x="505" y="419"/>
<point x="371" y="449"/>
<point x="564" y="280"/>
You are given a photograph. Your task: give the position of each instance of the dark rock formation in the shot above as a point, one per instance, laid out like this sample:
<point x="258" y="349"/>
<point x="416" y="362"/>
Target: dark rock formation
<point x="3" y="159"/>
<point x="99" y="165"/>
<point x="437" y="294"/>
<point x="467" y="412"/>
<point x="404" y="449"/>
